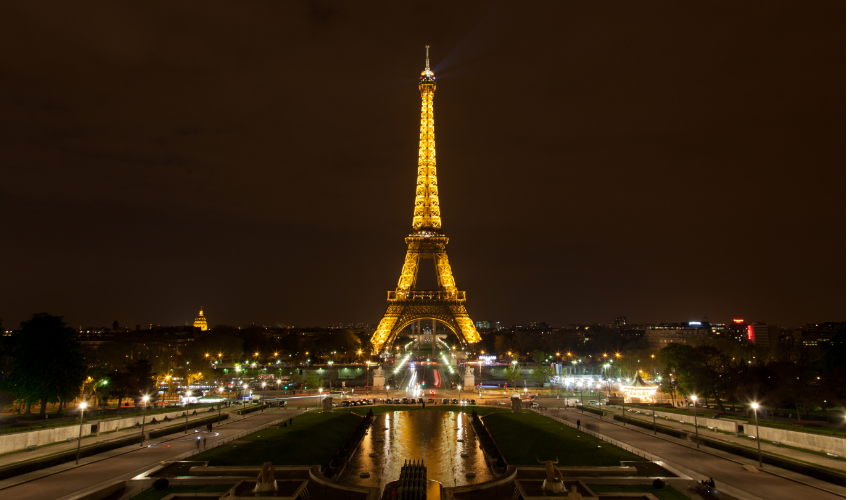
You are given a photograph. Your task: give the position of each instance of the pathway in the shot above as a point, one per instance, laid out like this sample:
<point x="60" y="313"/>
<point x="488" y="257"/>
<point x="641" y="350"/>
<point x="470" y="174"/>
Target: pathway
<point x="802" y="456"/>
<point x="124" y="463"/>
<point x="725" y="468"/>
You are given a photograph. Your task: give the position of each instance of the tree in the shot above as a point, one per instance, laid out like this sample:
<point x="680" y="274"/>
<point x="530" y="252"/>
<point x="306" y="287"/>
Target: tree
<point x="538" y="356"/>
<point x="47" y="364"/>
<point x="313" y="380"/>
<point x="673" y="357"/>
<point x="540" y="373"/>
<point x="120" y="386"/>
<point x="512" y="373"/>
<point x="707" y="365"/>
<point x="140" y="378"/>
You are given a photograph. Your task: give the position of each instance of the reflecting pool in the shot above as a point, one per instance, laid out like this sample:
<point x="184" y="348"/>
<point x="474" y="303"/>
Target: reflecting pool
<point x="439" y="438"/>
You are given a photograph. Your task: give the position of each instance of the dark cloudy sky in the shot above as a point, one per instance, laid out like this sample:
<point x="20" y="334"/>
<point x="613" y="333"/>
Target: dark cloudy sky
<point x="660" y="160"/>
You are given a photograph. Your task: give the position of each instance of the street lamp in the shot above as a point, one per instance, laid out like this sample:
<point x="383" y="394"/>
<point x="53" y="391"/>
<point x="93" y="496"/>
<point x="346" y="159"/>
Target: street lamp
<point x="220" y="397"/>
<point x="82" y="411"/>
<point x="188" y="393"/>
<point x="263" y="407"/>
<point x="244" y="388"/>
<point x="319" y="400"/>
<point x="694" y="399"/>
<point x="144" y="412"/>
<point x="758" y="442"/>
<point x="388" y="393"/>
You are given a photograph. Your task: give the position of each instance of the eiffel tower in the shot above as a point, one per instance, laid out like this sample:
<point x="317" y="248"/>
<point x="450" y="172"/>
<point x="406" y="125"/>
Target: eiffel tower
<point x="405" y="304"/>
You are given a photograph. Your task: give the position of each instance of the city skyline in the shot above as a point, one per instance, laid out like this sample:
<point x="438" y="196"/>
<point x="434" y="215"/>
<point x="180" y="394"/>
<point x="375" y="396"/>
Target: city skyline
<point x="588" y="174"/>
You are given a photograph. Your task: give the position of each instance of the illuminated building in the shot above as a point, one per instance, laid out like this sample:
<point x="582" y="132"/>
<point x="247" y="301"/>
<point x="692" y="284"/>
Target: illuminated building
<point x="426" y="241"/>
<point x="763" y="335"/>
<point x="813" y="335"/>
<point x="201" y="321"/>
<point x="690" y="333"/>
<point x="638" y="389"/>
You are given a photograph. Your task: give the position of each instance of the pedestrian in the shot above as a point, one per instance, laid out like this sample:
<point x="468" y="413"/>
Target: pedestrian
<point x="578" y="424"/>
<point x="199" y="442"/>
<point x="205" y="443"/>
<point x="290" y="421"/>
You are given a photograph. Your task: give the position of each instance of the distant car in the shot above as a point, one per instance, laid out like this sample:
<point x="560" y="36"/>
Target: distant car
<point x="454" y="401"/>
<point x="430" y="400"/>
<point x="397" y="401"/>
<point x="405" y="400"/>
<point x="421" y="400"/>
<point x="345" y="403"/>
<point x="445" y="401"/>
<point x="472" y="401"/>
<point x="535" y="405"/>
<point x="593" y="402"/>
<point x="432" y="392"/>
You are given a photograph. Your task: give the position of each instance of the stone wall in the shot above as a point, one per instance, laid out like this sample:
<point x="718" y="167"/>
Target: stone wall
<point x="806" y="440"/>
<point x="18" y="441"/>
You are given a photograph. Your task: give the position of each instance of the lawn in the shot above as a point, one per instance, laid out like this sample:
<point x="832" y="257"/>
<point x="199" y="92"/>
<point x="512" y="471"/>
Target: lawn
<point x="363" y="410"/>
<point x="313" y="439"/>
<point x="523" y="437"/>
<point x="152" y="494"/>
<point x="665" y="493"/>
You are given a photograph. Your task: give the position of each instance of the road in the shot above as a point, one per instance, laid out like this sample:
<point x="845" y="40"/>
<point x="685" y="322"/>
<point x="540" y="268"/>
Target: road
<point x="712" y="463"/>
<point x="124" y="463"/>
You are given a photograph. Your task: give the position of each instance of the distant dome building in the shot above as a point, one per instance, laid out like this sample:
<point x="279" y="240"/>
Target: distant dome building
<point x="201" y="321"/>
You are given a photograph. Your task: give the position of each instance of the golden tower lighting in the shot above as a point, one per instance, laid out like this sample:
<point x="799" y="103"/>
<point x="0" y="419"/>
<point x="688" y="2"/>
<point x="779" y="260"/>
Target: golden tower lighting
<point x="406" y="304"/>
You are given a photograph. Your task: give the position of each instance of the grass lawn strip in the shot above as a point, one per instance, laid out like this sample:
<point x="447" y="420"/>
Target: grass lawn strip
<point x="313" y="439"/>
<point x="665" y="493"/>
<point x="152" y="494"/>
<point x="523" y="437"/>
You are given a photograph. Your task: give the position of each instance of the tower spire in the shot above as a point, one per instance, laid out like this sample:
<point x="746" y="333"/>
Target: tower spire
<point x="426" y="211"/>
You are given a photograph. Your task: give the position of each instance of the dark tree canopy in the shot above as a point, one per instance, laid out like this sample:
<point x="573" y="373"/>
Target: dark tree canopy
<point x="47" y="364"/>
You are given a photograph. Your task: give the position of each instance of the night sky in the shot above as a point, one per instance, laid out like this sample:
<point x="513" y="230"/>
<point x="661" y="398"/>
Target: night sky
<point x="666" y="161"/>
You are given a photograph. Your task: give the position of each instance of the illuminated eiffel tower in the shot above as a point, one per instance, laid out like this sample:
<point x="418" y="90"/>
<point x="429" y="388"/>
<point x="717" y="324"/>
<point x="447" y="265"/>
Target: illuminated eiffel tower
<point x="405" y="304"/>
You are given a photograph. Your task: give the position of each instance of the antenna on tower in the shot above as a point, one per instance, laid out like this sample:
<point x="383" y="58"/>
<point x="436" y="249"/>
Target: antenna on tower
<point x="427" y="62"/>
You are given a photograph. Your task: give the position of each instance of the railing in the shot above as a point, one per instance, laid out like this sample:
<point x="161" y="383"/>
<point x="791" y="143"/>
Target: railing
<point x="425" y="295"/>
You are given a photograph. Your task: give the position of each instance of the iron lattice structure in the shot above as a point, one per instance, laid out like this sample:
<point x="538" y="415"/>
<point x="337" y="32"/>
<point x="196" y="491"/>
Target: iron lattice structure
<point x="406" y="304"/>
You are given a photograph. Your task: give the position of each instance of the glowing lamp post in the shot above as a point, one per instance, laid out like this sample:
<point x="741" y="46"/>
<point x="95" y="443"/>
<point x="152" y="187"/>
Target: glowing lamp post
<point x="220" y="397"/>
<point x="144" y="413"/>
<point x="188" y="393"/>
<point x="262" y="408"/>
<point x="758" y="442"/>
<point x="82" y="411"/>
<point x="696" y="427"/>
<point x="244" y="388"/>
<point x="319" y="400"/>
<point x="388" y="393"/>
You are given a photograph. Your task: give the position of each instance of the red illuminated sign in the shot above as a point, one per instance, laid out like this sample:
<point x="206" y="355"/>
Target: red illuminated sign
<point x="738" y="320"/>
<point x="750" y="335"/>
